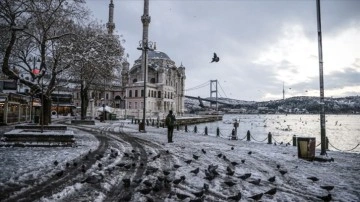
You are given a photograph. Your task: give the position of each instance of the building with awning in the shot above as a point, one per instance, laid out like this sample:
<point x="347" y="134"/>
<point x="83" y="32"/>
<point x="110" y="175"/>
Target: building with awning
<point x="14" y="108"/>
<point x="62" y="103"/>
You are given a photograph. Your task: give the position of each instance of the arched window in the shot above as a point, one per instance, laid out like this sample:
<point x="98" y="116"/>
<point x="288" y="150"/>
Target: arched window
<point x="134" y="80"/>
<point x="152" y="80"/>
<point x="136" y="93"/>
<point x="117" y="101"/>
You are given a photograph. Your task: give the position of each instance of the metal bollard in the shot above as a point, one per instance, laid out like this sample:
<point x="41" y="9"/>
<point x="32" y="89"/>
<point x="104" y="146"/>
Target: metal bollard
<point x="195" y="129"/>
<point x="326" y="143"/>
<point x="186" y="130"/>
<point x="217" y="132"/>
<point x="269" y="138"/>
<point x="248" y="135"/>
<point x="206" y="130"/>
<point x="294" y="140"/>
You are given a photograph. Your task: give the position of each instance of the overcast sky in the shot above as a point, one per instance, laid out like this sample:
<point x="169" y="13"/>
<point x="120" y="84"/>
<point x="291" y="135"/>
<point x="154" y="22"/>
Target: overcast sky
<point x="261" y="43"/>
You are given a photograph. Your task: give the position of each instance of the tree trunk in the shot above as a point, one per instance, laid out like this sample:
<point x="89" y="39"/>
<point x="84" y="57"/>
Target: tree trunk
<point x="84" y="100"/>
<point x="46" y="104"/>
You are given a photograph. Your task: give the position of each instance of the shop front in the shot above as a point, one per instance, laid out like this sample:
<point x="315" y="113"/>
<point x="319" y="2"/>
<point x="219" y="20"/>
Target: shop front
<point x="14" y="108"/>
<point x="62" y="105"/>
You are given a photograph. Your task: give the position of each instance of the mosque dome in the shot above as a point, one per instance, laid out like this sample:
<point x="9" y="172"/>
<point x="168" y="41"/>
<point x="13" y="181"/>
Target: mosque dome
<point x="155" y="54"/>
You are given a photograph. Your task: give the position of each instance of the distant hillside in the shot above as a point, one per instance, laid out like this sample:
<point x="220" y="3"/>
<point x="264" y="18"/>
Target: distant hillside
<point x="301" y="104"/>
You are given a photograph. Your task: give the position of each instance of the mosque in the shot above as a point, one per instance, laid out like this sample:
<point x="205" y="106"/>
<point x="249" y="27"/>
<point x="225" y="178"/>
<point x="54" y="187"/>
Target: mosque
<point x="165" y="85"/>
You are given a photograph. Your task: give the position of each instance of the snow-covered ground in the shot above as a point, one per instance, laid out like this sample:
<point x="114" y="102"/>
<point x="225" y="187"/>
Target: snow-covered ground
<point x="19" y="165"/>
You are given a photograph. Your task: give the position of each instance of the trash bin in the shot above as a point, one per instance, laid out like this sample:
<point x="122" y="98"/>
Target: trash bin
<point x="36" y="119"/>
<point x="141" y="126"/>
<point x="306" y="147"/>
<point x="112" y="116"/>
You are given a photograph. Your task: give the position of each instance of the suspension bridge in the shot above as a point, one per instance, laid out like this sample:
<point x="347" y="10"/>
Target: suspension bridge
<point x="214" y="93"/>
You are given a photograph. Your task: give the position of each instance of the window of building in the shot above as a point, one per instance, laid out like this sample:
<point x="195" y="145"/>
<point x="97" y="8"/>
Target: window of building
<point x="129" y="105"/>
<point x="130" y="93"/>
<point x="136" y="93"/>
<point x="99" y="96"/>
<point x="164" y="94"/>
<point x="142" y="93"/>
<point x="136" y="105"/>
<point x="107" y="96"/>
<point x="159" y="94"/>
<point x="134" y="80"/>
<point x="152" y="80"/>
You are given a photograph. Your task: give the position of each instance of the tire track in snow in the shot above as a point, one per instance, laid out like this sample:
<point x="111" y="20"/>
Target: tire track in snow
<point x="45" y="188"/>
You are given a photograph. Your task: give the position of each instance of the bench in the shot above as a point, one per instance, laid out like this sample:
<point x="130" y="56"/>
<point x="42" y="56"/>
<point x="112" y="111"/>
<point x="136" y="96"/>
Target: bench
<point x="37" y="127"/>
<point x="40" y="140"/>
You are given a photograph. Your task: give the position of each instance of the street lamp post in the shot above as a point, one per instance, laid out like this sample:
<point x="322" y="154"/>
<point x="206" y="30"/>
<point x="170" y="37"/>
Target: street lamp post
<point x="321" y="78"/>
<point x="42" y="104"/>
<point x="144" y="46"/>
<point x="36" y="72"/>
<point x="104" y="113"/>
<point x="57" y="106"/>
<point x="91" y="108"/>
<point x="125" y="107"/>
<point x="34" y="60"/>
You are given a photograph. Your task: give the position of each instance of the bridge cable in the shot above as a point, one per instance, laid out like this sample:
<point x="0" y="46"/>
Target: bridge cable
<point x="222" y="90"/>
<point x="198" y="86"/>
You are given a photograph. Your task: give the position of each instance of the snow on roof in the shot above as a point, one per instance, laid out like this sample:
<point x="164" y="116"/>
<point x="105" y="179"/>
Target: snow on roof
<point x="155" y="54"/>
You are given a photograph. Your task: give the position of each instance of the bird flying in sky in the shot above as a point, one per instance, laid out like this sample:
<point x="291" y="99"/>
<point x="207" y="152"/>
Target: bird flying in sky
<point x="215" y="58"/>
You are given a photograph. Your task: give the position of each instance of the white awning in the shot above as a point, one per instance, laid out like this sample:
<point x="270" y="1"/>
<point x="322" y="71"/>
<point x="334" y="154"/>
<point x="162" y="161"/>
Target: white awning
<point x="107" y="109"/>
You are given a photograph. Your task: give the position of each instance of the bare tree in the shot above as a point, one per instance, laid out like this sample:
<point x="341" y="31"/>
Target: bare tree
<point x="96" y="55"/>
<point x="38" y="29"/>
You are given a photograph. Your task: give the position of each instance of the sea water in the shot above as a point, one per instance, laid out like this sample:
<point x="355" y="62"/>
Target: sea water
<point x="343" y="131"/>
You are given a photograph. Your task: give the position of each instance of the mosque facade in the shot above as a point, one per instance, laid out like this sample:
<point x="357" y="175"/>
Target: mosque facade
<point x="164" y="85"/>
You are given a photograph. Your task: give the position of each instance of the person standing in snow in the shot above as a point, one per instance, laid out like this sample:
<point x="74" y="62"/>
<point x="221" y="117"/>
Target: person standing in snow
<point x="170" y="123"/>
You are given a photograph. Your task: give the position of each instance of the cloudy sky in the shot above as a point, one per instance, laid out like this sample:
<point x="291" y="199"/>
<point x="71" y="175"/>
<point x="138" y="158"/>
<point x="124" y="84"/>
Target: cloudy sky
<point x="261" y="43"/>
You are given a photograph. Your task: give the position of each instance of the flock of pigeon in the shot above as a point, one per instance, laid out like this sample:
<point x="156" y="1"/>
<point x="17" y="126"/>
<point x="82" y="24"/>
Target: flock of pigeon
<point x="156" y="180"/>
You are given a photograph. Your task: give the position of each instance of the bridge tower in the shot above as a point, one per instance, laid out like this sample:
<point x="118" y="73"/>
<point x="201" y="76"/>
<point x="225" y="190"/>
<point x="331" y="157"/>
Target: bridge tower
<point x="214" y="91"/>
